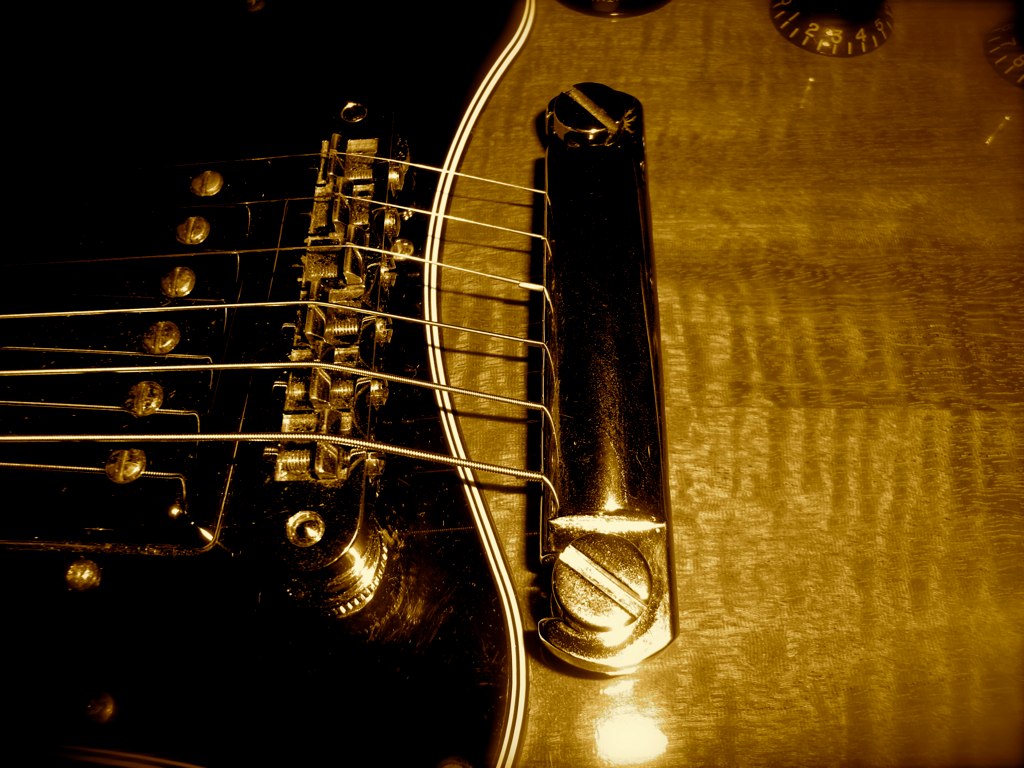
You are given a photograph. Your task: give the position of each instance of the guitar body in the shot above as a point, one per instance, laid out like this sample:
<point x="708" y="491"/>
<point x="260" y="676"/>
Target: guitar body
<point x="838" y="247"/>
<point x="837" y="244"/>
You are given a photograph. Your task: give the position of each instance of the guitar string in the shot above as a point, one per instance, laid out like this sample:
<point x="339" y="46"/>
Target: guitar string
<point x="461" y="175"/>
<point x="175" y="308"/>
<point x="397" y="255"/>
<point x="284" y="365"/>
<point x="460" y="219"/>
<point x="531" y="286"/>
<point x="526" y="285"/>
<point x="291" y="437"/>
<point x="372" y="159"/>
<point x="401" y="450"/>
<point x="285" y="249"/>
<point x="295" y="436"/>
<point x="307" y="198"/>
<point x="152" y="474"/>
<point x="356" y="198"/>
<point x="246" y="367"/>
<point x="399" y="207"/>
<point x="257" y="366"/>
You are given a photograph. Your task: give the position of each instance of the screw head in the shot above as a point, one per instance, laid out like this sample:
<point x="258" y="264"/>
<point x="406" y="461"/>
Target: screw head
<point x="592" y="114"/>
<point x="144" y="398"/>
<point x="374" y="465"/>
<point x="161" y="338"/>
<point x="82" y="575"/>
<point x="126" y="465"/>
<point x="382" y="330"/>
<point x="305" y="528"/>
<point x="178" y="283"/>
<point x="354" y="112"/>
<point x="378" y="395"/>
<point x="392" y="223"/>
<point x="396" y="177"/>
<point x="101" y="708"/>
<point x="601" y="582"/>
<point x="193" y="230"/>
<point x="207" y="184"/>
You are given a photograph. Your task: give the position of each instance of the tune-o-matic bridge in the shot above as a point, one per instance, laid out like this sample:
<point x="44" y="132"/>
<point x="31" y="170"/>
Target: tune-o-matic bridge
<point x="337" y="548"/>
<point x="607" y="535"/>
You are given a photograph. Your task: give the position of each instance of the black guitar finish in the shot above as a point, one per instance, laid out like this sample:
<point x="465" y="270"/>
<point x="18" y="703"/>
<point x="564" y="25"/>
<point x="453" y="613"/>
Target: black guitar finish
<point x="206" y="635"/>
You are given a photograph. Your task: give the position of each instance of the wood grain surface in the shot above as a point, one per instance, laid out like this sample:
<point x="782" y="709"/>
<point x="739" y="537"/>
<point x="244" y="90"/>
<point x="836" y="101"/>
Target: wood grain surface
<point x="838" y="245"/>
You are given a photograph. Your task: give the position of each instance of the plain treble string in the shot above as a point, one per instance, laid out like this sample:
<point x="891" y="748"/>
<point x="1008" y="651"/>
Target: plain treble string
<point x="308" y="247"/>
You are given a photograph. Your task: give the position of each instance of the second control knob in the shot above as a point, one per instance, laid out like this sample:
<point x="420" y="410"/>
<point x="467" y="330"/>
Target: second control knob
<point x="841" y="28"/>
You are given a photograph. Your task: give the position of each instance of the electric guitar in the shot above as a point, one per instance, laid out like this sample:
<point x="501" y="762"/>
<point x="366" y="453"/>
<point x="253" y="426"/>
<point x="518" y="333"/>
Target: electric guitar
<point x="835" y="226"/>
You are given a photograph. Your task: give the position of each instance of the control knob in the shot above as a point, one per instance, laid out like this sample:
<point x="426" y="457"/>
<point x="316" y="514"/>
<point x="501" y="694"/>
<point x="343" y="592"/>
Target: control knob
<point x="841" y="28"/>
<point x="1004" y="47"/>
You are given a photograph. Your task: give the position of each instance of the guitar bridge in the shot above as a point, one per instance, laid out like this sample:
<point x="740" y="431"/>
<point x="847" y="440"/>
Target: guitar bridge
<point x="336" y="550"/>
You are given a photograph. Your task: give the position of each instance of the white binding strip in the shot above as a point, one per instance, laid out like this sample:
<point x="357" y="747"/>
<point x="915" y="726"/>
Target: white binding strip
<point x="516" y="709"/>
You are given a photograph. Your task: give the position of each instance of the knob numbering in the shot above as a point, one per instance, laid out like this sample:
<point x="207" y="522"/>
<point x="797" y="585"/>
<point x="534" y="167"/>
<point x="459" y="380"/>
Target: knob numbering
<point x="839" y="28"/>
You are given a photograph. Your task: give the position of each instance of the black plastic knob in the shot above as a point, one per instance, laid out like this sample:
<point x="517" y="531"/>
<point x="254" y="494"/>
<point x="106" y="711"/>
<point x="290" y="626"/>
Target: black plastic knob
<point x="840" y="28"/>
<point x="1004" y="47"/>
